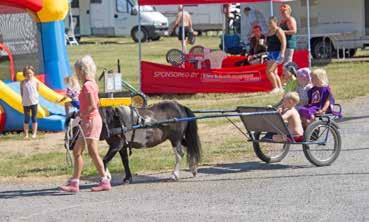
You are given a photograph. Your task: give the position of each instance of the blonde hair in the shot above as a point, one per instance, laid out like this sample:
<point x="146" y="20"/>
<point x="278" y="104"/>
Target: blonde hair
<point x="87" y="66"/>
<point x="293" y="95"/>
<point x="27" y="68"/>
<point x="321" y="74"/>
<point x="288" y="7"/>
<point x="72" y="81"/>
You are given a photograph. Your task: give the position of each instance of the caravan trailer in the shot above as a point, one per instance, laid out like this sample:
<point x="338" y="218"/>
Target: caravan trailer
<point x="116" y="18"/>
<point x="337" y="26"/>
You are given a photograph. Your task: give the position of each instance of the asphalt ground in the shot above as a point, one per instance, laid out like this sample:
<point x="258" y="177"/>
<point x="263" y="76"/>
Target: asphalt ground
<point x="292" y="190"/>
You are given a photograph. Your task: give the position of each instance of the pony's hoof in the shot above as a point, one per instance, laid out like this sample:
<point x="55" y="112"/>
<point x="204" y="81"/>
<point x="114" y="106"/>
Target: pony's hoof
<point x="173" y="178"/>
<point x="194" y="174"/>
<point x="127" y="180"/>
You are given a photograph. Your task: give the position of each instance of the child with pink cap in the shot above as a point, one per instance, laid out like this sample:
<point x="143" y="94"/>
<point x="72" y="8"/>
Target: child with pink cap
<point x="304" y="84"/>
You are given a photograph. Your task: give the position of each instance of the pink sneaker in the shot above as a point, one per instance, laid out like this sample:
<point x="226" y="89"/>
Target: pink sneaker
<point x="72" y="186"/>
<point x="104" y="185"/>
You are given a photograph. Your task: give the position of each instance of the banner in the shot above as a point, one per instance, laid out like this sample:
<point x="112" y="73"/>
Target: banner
<point x="165" y="79"/>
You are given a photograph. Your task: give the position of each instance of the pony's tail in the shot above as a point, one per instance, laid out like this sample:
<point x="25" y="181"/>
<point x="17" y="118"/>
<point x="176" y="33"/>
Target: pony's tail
<point x="192" y="141"/>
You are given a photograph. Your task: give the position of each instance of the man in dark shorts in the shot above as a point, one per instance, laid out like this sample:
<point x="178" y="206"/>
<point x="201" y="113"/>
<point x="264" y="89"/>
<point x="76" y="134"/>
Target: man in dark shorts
<point x="184" y="24"/>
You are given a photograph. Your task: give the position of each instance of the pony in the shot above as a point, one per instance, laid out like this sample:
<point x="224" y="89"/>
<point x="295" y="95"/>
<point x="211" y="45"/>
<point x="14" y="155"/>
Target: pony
<point x="119" y="135"/>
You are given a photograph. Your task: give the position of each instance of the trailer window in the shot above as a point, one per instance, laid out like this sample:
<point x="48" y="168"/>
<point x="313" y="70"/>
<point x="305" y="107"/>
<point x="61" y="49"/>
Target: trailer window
<point x="96" y="1"/>
<point x="124" y="6"/>
<point x="75" y="4"/>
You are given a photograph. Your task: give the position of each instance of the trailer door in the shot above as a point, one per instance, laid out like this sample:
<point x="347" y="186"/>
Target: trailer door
<point x="367" y="17"/>
<point x="83" y="17"/>
<point x="101" y="17"/>
<point x="124" y="21"/>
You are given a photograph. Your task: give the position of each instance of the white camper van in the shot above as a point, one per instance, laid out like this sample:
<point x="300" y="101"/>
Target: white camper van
<point x="337" y="26"/>
<point x="204" y="17"/>
<point x="117" y="18"/>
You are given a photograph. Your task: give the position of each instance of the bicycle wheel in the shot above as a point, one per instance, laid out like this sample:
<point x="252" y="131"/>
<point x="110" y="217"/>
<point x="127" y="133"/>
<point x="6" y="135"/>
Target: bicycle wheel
<point x="329" y="143"/>
<point x="139" y="101"/>
<point x="270" y="152"/>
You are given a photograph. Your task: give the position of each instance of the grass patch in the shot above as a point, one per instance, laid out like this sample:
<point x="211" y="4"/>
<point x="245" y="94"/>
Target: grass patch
<point x="220" y="141"/>
<point x="40" y="164"/>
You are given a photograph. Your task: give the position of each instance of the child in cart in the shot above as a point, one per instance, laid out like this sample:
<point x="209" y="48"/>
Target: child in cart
<point x="291" y="116"/>
<point x="303" y="85"/>
<point x="320" y="98"/>
<point x="289" y="80"/>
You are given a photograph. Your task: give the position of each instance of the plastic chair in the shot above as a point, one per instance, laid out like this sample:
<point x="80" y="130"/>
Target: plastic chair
<point x="215" y="58"/>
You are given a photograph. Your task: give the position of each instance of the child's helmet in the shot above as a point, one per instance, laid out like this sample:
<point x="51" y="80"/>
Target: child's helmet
<point x="291" y="67"/>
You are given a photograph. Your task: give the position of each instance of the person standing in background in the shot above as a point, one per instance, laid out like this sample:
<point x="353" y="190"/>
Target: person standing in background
<point x="276" y="42"/>
<point x="288" y="25"/>
<point x="184" y="24"/>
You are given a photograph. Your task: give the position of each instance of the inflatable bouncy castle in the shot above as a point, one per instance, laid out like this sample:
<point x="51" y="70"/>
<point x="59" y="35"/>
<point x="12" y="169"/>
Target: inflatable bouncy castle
<point x="32" y="32"/>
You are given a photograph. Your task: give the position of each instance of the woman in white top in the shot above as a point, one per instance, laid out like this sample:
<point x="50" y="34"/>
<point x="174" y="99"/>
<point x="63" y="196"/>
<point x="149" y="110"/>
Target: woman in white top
<point x="29" y="92"/>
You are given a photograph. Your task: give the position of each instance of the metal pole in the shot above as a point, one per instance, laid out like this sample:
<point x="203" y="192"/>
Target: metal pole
<point x="271" y="8"/>
<point x="139" y="47"/>
<point x="224" y="32"/>
<point x="183" y="31"/>
<point x="308" y="30"/>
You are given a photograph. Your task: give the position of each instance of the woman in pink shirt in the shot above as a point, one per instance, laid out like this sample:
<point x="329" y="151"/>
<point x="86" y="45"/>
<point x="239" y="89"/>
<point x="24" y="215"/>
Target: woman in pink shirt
<point x="91" y="124"/>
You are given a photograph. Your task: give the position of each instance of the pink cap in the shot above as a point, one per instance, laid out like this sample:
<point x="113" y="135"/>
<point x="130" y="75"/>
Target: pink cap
<point x="304" y="73"/>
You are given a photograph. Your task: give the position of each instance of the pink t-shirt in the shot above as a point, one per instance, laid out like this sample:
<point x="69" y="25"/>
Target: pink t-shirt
<point x="89" y="87"/>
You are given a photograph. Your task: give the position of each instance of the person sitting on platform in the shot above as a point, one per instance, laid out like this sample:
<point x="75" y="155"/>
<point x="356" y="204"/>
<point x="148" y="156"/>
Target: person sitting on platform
<point x="258" y="49"/>
<point x="257" y="41"/>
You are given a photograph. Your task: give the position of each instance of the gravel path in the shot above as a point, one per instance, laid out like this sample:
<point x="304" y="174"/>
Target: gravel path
<point x="293" y="190"/>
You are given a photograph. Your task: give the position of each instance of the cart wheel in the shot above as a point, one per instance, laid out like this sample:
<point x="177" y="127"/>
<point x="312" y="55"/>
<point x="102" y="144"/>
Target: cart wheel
<point x="139" y="101"/>
<point x="327" y="152"/>
<point x="270" y="152"/>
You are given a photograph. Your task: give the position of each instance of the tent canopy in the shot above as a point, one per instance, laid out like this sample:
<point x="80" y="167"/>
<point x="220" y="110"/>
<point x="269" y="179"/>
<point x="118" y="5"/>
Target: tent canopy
<point x="191" y="2"/>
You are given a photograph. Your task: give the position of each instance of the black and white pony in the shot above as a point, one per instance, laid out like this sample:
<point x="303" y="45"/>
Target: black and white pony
<point x="183" y="136"/>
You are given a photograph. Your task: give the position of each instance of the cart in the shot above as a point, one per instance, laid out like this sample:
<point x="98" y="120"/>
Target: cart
<point x="321" y="144"/>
